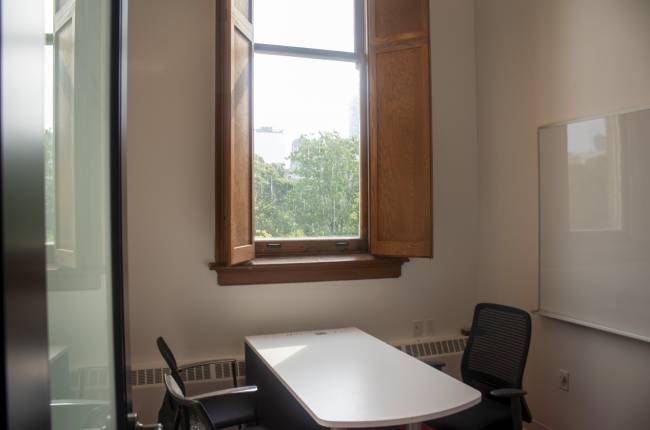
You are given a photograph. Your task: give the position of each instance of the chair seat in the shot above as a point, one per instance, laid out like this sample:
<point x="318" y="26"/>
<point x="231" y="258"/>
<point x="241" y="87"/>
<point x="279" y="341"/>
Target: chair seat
<point x="490" y="414"/>
<point x="229" y="410"/>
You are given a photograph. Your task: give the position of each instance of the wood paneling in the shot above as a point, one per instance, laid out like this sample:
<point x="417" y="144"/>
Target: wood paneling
<point x="235" y="221"/>
<point x="401" y="220"/>
<point x="242" y="148"/>
<point x="400" y="19"/>
<point x="401" y="168"/>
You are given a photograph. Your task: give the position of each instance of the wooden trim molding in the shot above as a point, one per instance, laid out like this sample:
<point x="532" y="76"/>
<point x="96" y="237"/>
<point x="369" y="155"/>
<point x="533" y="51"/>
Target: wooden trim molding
<point x="273" y="270"/>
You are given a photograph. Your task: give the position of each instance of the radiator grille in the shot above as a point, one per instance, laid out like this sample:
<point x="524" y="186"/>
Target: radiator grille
<point x="205" y="372"/>
<point x="221" y="371"/>
<point x="434" y="348"/>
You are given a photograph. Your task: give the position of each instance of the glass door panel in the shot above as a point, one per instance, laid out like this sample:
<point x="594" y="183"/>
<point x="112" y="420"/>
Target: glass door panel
<point x="77" y="204"/>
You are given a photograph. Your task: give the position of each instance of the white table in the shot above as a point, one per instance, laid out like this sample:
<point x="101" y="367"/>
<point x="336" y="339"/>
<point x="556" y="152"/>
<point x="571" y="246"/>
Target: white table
<point x="345" y="378"/>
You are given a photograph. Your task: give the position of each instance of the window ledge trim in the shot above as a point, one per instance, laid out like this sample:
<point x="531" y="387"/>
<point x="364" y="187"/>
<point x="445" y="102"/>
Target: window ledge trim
<point x="312" y="268"/>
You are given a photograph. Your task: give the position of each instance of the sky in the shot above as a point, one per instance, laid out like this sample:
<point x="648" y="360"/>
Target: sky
<point x="296" y="96"/>
<point x="323" y="24"/>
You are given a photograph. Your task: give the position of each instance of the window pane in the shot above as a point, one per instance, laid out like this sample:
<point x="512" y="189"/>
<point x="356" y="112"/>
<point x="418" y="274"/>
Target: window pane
<point x="320" y="24"/>
<point x="306" y="148"/>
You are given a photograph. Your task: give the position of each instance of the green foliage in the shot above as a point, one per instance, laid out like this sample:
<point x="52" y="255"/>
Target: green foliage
<point x="272" y="185"/>
<point x="318" y="196"/>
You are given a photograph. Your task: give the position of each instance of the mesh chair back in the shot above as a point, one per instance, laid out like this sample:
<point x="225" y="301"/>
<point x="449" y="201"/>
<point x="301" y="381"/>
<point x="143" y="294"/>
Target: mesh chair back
<point x="497" y="349"/>
<point x="191" y="413"/>
<point x="169" y="358"/>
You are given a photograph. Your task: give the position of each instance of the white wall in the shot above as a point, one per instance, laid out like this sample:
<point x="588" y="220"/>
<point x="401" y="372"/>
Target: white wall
<point x="170" y="190"/>
<point x="538" y="62"/>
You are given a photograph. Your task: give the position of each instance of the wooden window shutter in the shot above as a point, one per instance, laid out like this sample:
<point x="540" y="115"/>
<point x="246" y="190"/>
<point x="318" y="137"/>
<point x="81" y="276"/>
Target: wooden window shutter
<point x="236" y="218"/>
<point x="401" y="214"/>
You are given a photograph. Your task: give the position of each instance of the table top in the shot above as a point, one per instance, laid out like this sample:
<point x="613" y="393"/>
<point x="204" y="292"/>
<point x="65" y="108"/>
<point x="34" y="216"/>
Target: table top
<point x="346" y="378"/>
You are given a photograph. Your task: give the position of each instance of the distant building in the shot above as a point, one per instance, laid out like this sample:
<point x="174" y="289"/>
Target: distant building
<point x="272" y="144"/>
<point x="295" y="146"/>
<point x="268" y="129"/>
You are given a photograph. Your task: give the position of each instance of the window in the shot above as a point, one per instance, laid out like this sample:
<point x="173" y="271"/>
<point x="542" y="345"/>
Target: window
<point x="323" y="139"/>
<point x="309" y="146"/>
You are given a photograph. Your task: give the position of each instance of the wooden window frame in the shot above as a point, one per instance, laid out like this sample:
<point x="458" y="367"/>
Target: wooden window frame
<point x="339" y="245"/>
<point x="393" y="226"/>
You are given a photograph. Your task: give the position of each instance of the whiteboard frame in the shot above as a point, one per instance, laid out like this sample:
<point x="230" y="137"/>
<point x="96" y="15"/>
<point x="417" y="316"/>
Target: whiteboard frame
<point x="539" y="310"/>
<point x="587" y="324"/>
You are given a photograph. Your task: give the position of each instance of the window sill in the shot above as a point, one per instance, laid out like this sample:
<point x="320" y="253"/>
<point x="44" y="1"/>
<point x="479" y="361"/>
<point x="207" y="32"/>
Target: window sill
<point x="313" y="268"/>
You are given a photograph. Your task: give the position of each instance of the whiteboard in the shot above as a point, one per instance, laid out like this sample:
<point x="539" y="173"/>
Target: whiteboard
<point x="594" y="242"/>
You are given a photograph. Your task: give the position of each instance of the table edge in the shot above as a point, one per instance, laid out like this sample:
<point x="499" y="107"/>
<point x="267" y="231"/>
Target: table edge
<point x="362" y="424"/>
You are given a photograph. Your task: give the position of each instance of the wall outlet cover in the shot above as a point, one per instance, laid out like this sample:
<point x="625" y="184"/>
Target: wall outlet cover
<point x="418" y="328"/>
<point x="564" y="380"/>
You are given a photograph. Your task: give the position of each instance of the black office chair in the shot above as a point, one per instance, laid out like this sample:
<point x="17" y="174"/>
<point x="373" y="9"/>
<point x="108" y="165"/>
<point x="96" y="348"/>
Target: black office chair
<point x="493" y="363"/>
<point x="190" y="412"/>
<point x="224" y="408"/>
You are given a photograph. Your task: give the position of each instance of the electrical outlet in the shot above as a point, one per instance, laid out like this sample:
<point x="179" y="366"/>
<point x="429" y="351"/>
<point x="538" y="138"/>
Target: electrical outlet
<point x="418" y="328"/>
<point x="564" y="380"/>
<point x="429" y="328"/>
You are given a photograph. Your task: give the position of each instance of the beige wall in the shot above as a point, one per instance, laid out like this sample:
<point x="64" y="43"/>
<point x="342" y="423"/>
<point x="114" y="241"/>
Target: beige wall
<point x="171" y="206"/>
<point x="542" y="61"/>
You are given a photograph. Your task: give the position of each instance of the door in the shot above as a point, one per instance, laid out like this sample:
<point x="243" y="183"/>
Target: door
<point x="62" y="124"/>
<point x="82" y="274"/>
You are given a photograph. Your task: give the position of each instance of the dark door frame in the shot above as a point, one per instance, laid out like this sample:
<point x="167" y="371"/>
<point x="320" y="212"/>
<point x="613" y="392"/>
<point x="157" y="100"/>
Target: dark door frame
<point x="118" y="131"/>
<point x="24" y="384"/>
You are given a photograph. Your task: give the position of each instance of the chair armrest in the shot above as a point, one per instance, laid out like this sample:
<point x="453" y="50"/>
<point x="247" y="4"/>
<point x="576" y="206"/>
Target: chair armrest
<point x="507" y="393"/>
<point x="236" y="390"/>
<point x="78" y="402"/>
<point x="203" y="363"/>
<point x="437" y="364"/>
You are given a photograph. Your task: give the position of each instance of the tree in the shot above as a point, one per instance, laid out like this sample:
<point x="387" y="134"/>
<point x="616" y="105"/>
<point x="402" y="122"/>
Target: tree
<point x="325" y="196"/>
<point x="318" y="196"/>
<point x="272" y="184"/>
